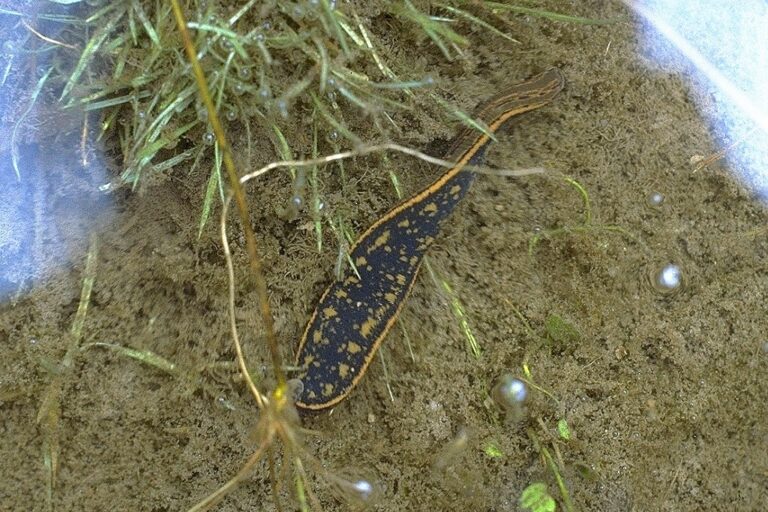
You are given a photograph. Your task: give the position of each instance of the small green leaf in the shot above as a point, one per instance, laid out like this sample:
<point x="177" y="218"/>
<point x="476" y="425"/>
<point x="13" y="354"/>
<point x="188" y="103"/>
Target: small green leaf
<point x="492" y="450"/>
<point x="560" y="332"/>
<point x="536" y="498"/>
<point x="563" y="430"/>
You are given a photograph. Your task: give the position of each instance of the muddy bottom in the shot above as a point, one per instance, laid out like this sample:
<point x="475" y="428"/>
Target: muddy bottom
<point x="663" y="391"/>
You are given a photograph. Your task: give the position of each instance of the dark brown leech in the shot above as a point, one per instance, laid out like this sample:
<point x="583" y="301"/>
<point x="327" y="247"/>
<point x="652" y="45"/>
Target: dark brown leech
<point x="355" y="313"/>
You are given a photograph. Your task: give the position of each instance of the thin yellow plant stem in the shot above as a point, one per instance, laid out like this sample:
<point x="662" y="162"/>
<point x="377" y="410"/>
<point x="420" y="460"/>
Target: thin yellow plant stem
<point x="242" y="208"/>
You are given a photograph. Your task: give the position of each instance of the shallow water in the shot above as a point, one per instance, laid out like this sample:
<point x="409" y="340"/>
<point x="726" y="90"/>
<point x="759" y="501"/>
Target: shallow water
<point x="664" y="393"/>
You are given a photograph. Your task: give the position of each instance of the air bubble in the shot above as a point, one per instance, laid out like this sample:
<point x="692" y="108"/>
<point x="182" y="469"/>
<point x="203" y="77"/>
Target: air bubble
<point x="231" y="115"/>
<point x="238" y="89"/>
<point x="141" y="115"/>
<point x="510" y="393"/>
<point x="333" y="136"/>
<point x="282" y="107"/>
<point x="297" y="202"/>
<point x="667" y="280"/>
<point x="360" y="491"/>
<point x="208" y="138"/>
<point x="244" y="73"/>
<point x="654" y="199"/>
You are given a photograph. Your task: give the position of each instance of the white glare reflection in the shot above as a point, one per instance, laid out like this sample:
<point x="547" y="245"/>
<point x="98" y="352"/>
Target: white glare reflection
<point x="50" y="169"/>
<point x="727" y="44"/>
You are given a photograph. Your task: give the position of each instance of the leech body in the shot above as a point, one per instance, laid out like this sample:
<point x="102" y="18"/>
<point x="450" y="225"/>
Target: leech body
<point x="355" y="313"/>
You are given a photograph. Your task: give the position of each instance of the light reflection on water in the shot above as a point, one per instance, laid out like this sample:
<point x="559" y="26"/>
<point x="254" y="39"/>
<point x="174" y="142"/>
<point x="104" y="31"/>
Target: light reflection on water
<point x="725" y="47"/>
<point x="50" y="169"/>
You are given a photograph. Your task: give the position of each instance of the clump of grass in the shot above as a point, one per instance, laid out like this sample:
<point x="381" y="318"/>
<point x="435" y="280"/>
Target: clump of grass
<point x="269" y="65"/>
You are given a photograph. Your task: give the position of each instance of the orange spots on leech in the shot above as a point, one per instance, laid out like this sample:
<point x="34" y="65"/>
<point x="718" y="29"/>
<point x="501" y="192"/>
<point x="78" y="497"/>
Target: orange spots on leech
<point x="341" y="294"/>
<point x="343" y="370"/>
<point x="380" y="241"/>
<point x="404" y="223"/>
<point x="455" y="190"/>
<point x="430" y="209"/>
<point x="360" y="261"/>
<point x="390" y="297"/>
<point x="329" y="312"/>
<point x="317" y="336"/>
<point x="353" y="348"/>
<point x="327" y="389"/>
<point x="366" y="328"/>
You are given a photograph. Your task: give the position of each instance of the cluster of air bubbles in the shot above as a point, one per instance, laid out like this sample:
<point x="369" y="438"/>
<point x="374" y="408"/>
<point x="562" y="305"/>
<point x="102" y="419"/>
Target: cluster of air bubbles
<point x="667" y="280"/>
<point x="510" y="393"/>
<point x="654" y="199"/>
